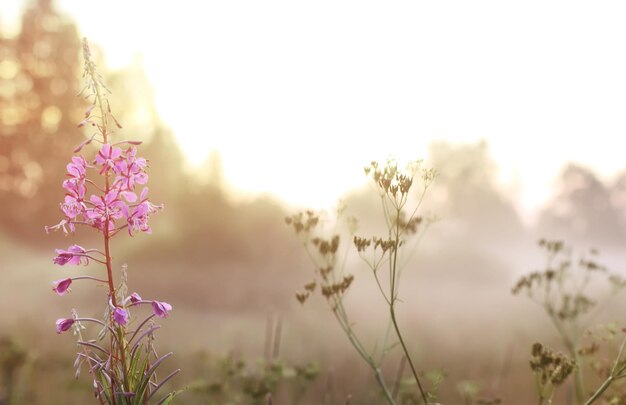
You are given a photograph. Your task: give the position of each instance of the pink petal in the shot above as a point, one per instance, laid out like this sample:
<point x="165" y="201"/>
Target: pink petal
<point x="141" y="178"/>
<point x="120" y="315"/>
<point x="161" y="309"/>
<point x="110" y="197"/>
<point x="135" y="298"/>
<point x="97" y="201"/>
<point x="117" y="152"/>
<point x="64" y="324"/>
<point x="129" y="196"/>
<point x="61" y="287"/>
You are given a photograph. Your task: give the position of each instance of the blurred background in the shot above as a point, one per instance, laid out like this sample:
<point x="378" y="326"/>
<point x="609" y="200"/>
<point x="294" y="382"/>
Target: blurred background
<point x="250" y="112"/>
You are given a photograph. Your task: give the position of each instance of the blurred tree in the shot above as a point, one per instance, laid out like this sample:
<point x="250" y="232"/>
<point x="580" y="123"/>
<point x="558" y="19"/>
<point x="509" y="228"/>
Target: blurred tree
<point x="40" y="74"/>
<point x="466" y="193"/>
<point x="213" y="171"/>
<point x="38" y="114"/>
<point x="618" y="197"/>
<point x="583" y="209"/>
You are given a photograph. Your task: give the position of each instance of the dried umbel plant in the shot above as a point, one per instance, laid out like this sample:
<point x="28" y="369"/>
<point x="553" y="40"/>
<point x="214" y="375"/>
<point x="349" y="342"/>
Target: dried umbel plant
<point x="551" y="370"/>
<point x="400" y="205"/>
<point x="101" y="194"/>
<point x="563" y="290"/>
<point x="606" y="359"/>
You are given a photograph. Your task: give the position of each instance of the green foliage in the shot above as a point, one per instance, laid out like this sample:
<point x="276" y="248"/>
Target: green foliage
<point x="133" y="379"/>
<point x="470" y="391"/>
<point x="408" y="394"/>
<point x="229" y="380"/>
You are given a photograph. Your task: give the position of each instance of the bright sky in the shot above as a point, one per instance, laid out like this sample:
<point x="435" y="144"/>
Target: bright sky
<point x="297" y="95"/>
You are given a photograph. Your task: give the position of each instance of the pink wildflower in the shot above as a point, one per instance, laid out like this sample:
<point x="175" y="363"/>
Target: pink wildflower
<point x="62" y="287"/>
<point x="120" y="315"/>
<point x="72" y="207"/>
<point x="105" y="209"/>
<point x="108" y="157"/>
<point x="139" y="162"/>
<point x="61" y="225"/>
<point x="131" y="171"/>
<point x="138" y="218"/>
<point x="64" y="324"/>
<point x="73" y="255"/>
<point x="135" y="298"/>
<point x="75" y="187"/>
<point x="77" y="168"/>
<point x="161" y="309"/>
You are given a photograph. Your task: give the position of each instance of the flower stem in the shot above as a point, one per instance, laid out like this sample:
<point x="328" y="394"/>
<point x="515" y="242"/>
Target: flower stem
<point x="392" y="311"/>
<point x="107" y="252"/>
<point x="339" y="313"/>
<point x="381" y="382"/>
<point x="600" y="390"/>
<point x="615" y="373"/>
<point x="107" y="236"/>
<point x="406" y="353"/>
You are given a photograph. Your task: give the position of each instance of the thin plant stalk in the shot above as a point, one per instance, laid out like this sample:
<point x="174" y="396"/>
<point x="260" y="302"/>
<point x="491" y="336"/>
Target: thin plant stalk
<point x="615" y="374"/>
<point x="392" y="311"/>
<point x="106" y="235"/>
<point x="358" y="346"/>
<point x="339" y="311"/>
<point x="334" y="284"/>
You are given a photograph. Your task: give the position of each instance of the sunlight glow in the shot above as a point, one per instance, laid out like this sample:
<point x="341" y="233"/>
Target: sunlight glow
<point x="297" y="97"/>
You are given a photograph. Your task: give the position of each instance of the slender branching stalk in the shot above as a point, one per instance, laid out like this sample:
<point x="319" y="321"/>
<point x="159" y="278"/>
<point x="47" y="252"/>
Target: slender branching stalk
<point x="618" y="371"/>
<point x="562" y="290"/>
<point x="393" y="186"/>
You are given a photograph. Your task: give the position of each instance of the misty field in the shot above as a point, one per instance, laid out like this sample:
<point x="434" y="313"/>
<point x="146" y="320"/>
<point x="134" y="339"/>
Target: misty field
<point x="429" y="281"/>
<point x="464" y="324"/>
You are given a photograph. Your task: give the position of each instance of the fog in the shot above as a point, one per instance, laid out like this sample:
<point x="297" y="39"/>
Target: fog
<point x="231" y="266"/>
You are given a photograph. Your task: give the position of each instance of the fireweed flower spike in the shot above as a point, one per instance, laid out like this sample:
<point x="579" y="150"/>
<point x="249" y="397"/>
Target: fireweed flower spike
<point x="101" y="193"/>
